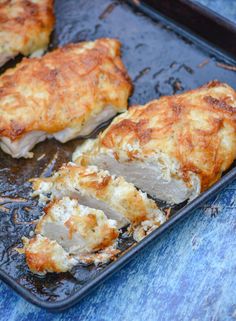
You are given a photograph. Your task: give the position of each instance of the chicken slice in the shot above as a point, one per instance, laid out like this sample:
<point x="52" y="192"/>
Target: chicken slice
<point x="65" y="94"/>
<point x="172" y="148"/>
<point x="25" y="27"/>
<point x="43" y="256"/>
<point x="77" y="228"/>
<point x="96" y="188"/>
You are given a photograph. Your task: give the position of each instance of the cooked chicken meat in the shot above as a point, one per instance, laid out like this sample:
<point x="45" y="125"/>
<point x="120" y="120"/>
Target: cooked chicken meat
<point x="64" y="94"/>
<point x="96" y="188"/>
<point x="25" y="27"/>
<point x="44" y="255"/>
<point x="171" y="148"/>
<point x="77" y="228"/>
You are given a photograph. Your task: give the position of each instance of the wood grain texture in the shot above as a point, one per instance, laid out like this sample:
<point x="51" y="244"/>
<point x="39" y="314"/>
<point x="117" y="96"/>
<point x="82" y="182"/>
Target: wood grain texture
<point x="188" y="274"/>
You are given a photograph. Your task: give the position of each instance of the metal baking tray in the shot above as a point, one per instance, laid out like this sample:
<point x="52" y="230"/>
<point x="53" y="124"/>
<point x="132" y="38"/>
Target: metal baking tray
<point x="168" y="47"/>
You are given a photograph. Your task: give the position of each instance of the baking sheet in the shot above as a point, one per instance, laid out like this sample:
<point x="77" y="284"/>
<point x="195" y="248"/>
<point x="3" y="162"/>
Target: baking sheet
<point x="160" y="62"/>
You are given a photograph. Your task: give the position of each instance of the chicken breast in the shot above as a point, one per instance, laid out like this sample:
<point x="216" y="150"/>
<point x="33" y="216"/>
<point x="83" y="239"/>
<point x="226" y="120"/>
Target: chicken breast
<point x="77" y="228"/>
<point x="96" y="188"/>
<point x="64" y="94"/>
<point x="25" y="27"/>
<point x="43" y="256"/>
<point x="172" y="148"/>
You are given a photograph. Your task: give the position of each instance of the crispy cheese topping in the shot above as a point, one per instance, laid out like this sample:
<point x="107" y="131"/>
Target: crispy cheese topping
<point x="25" y="27"/>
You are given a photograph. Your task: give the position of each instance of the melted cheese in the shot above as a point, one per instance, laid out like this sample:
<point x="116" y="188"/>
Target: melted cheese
<point x="25" y="27"/>
<point x="172" y="148"/>
<point x="44" y="255"/>
<point x="65" y="94"/>
<point x="96" y="188"/>
<point x="77" y="228"/>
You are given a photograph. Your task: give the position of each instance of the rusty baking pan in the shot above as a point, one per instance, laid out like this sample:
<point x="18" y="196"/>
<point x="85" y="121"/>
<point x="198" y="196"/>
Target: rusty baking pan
<point x="168" y="46"/>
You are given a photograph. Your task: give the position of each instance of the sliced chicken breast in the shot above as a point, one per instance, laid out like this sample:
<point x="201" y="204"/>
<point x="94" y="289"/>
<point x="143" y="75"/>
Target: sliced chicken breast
<point x="65" y="94"/>
<point x="44" y="255"/>
<point x="25" y="27"/>
<point x="172" y="148"/>
<point x="77" y="228"/>
<point x="96" y="188"/>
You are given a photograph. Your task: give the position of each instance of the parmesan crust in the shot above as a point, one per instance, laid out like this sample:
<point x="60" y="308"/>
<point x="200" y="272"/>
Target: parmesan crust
<point x="25" y="27"/>
<point x="77" y="228"/>
<point x="44" y="255"/>
<point x="172" y="148"/>
<point x="96" y="188"/>
<point x="65" y="94"/>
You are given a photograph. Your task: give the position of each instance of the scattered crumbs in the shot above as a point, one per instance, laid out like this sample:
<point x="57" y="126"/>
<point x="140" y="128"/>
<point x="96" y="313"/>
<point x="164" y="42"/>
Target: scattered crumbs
<point x="228" y="67"/>
<point x="129" y="231"/>
<point x="129" y="248"/>
<point x="49" y="168"/>
<point x="41" y="157"/>
<point x="101" y="257"/>
<point x="203" y="63"/>
<point x="29" y="155"/>
<point x="31" y="233"/>
<point x="144" y="229"/>
<point x="177" y="86"/>
<point x="20" y="250"/>
<point x="168" y="210"/>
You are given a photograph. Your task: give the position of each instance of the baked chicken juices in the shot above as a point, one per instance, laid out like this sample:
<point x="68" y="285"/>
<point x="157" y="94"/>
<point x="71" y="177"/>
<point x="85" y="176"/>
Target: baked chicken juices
<point x="65" y="94"/>
<point x="172" y="148"/>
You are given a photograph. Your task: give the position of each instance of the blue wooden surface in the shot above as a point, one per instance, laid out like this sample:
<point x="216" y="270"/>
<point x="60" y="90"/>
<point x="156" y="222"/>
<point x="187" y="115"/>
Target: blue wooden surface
<point x="227" y="8"/>
<point x="189" y="274"/>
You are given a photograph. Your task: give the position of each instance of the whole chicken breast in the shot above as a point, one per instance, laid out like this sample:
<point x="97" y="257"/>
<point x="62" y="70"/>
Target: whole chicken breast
<point x="77" y="228"/>
<point x="96" y="188"/>
<point x="172" y="148"/>
<point x="44" y="255"/>
<point x="64" y="94"/>
<point x="25" y="27"/>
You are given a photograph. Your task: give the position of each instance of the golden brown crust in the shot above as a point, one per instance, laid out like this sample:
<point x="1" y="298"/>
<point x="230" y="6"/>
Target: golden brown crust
<point x="40" y="259"/>
<point x="92" y="226"/>
<point x="25" y="26"/>
<point x="87" y="226"/>
<point x="134" y="205"/>
<point x="63" y="89"/>
<point x="103" y="187"/>
<point x="40" y="263"/>
<point x="89" y="222"/>
<point x="198" y="128"/>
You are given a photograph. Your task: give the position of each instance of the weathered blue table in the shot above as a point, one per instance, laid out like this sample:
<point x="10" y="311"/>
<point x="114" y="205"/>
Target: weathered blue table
<point x="189" y="274"/>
